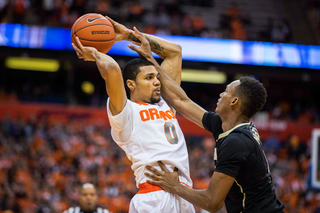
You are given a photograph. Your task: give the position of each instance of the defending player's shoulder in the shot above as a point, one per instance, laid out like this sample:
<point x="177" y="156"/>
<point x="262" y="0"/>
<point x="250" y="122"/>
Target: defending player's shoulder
<point x="250" y="131"/>
<point x="234" y="141"/>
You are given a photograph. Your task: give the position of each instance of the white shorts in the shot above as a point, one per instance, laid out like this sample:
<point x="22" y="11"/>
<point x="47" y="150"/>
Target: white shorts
<point x="159" y="202"/>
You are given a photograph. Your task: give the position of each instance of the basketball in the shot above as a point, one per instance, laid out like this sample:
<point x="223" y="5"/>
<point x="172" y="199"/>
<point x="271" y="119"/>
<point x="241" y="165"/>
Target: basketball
<point x="93" y="30"/>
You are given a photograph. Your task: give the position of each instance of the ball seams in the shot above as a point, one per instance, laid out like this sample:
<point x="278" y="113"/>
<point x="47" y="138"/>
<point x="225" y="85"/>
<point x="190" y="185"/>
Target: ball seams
<point x="96" y="40"/>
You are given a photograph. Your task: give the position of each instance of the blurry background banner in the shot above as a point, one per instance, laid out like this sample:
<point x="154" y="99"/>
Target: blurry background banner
<point x="193" y="48"/>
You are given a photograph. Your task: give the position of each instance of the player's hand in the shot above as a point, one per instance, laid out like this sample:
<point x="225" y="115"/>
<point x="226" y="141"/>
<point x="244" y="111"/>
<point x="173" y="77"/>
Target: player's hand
<point x="165" y="179"/>
<point x="85" y="53"/>
<point x="144" y="50"/>
<point x="122" y="32"/>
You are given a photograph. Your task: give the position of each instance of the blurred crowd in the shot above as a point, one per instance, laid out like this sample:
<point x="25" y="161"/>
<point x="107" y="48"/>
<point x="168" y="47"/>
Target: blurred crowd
<point x="313" y="9"/>
<point x="163" y="18"/>
<point x="42" y="165"/>
<point x="281" y="110"/>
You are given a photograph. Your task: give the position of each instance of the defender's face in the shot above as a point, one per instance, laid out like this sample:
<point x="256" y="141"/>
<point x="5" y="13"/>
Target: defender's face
<point x="88" y="199"/>
<point x="148" y="85"/>
<point x="226" y="98"/>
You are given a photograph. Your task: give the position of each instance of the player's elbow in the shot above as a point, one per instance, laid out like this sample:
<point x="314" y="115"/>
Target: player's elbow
<point x="180" y="105"/>
<point x="179" y="49"/>
<point x="212" y="203"/>
<point x="107" y="69"/>
<point x="111" y="66"/>
<point x="214" y="207"/>
<point x="176" y="49"/>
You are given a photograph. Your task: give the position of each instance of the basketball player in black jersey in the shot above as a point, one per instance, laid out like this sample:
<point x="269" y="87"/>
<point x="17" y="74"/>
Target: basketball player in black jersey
<point x="242" y="177"/>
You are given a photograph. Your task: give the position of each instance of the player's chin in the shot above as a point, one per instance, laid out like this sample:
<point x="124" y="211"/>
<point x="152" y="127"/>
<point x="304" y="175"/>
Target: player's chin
<point x="155" y="99"/>
<point x="217" y="110"/>
<point x="89" y="207"/>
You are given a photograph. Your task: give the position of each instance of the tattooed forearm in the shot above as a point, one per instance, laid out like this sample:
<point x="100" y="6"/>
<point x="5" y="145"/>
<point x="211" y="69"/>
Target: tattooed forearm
<point x="154" y="45"/>
<point x="131" y="37"/>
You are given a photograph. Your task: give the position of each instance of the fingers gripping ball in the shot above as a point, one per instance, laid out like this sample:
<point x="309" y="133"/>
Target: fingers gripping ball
<point x="94" y="30"/>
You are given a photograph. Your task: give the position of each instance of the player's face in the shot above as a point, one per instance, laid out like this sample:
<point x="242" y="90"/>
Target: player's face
<point x="148" y="85"/>
<point x="226" y="98"/>
<point x="88" y="199"/>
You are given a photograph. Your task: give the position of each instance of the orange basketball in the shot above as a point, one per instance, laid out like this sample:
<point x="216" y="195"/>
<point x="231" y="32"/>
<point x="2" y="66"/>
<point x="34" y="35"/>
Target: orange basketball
<point x="94" y="30"/>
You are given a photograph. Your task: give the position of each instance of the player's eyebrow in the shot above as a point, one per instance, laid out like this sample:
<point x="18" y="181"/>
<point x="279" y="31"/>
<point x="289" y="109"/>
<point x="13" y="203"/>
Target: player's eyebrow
<point x="152" y="73"/>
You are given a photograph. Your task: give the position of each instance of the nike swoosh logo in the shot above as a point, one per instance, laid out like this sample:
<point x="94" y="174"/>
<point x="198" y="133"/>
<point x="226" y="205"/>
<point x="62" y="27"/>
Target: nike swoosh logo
<point x="94" y="19"/>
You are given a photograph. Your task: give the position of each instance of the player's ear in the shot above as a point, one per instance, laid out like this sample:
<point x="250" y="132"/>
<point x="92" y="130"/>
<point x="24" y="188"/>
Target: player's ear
<point x="235" y="100"/>
<point x="131" y="84"/>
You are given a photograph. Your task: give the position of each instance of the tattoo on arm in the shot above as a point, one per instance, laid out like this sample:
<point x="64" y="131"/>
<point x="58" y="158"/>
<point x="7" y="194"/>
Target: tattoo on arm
<point x="155" y="46"/>
<point x="131" y="37"/>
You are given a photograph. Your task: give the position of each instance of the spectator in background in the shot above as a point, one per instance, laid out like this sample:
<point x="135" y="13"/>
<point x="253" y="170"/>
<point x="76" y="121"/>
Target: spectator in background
<point x="244" y="14"/>
<point x="295" y="147"/>
<point x="78" y="6"/>
<point x="88" y="201"/>
<point x="198" y="25"/>
<point x="277" y="34"/>
<point x="4" y="6"/>
<point x="102" y="7"/>
<point x="136" y="12"/>
<point x="238" y="32"/>
<point x="265" y="34"/>
<point x="20" y="8"/>
<point x="272" y="144"/>
<point x="286" y="29"/>
<point x="47" y="10"/>
<point x="233" y="11"/>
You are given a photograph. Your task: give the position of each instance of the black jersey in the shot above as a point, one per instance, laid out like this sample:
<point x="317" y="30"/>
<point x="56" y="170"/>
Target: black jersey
<point x="240" y="155"/>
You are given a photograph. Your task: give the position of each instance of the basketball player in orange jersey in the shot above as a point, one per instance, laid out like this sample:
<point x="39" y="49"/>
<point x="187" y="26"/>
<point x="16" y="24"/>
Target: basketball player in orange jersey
<point x="144" y="126"/>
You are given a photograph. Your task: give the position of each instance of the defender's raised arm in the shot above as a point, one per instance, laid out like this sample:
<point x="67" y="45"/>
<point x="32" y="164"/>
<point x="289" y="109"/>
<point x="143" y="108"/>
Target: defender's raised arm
<point x="168" y="51"/>
<point x="170" y="90"/>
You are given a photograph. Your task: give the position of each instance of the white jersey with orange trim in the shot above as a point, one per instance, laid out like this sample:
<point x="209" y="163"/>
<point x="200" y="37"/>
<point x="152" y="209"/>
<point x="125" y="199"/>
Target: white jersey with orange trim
<point x="149" y="133"/>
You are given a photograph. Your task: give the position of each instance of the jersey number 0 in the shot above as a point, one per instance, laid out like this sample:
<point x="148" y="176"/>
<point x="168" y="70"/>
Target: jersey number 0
<point x="170" y="131"/>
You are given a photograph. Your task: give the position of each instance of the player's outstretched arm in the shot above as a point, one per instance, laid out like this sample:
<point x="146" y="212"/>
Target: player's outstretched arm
<point x="110" y="72"/>
<point x="170" y="90"/>
<point x="210" y="199"/>
<point x="168" y="51"/>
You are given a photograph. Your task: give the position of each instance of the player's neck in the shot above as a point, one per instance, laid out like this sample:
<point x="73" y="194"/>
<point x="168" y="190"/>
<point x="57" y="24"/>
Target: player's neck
<point x="136" y="99"/>
<point x="233" y="120"/>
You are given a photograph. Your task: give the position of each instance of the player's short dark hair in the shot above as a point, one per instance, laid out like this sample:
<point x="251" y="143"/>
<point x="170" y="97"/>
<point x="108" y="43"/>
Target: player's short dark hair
<point x="253" y="94"/>
<point x="132" y="69"/>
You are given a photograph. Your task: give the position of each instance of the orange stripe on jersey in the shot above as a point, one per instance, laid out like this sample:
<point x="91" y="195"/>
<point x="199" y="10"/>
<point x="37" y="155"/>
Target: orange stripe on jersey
<point x="147" y="187"/>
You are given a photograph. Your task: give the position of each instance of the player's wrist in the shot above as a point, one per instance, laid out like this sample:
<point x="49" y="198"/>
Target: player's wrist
<point x="96" y="54"/>
<point x="150" y="58"/>
<point x="177" y="188"/>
